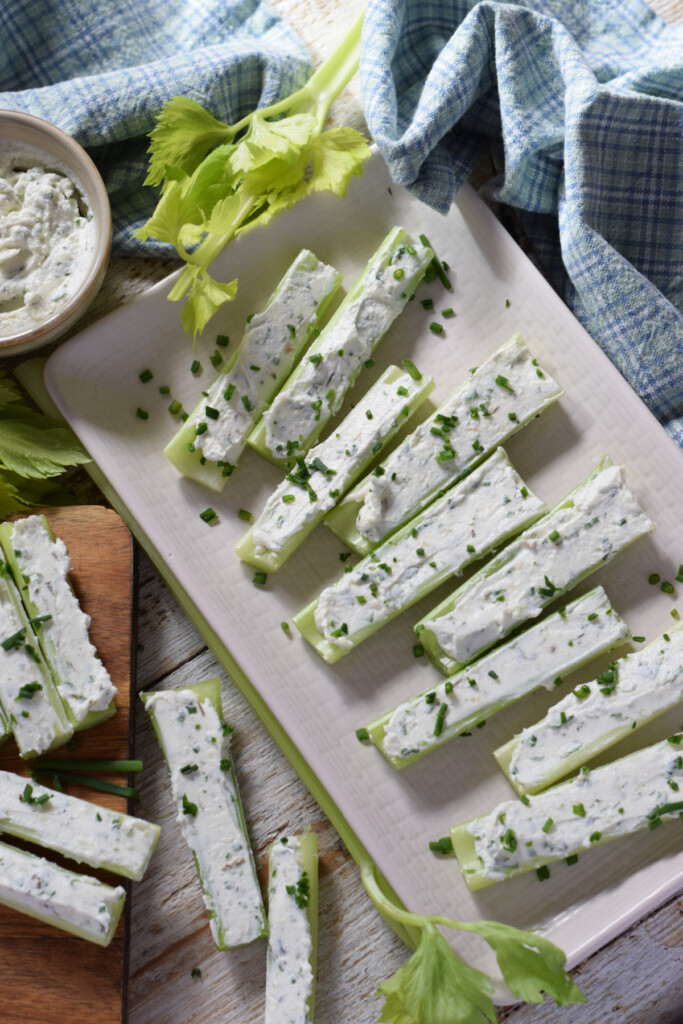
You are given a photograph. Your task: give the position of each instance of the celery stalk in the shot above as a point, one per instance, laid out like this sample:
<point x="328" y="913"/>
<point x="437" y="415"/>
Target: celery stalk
<point x="482" y="511"/>
<point x="300" y="502"/>
<point x="272" y="344"/>
<point x="77" y="904"/>
<point x="315" y="391"/>
<point x="195" y="742"/>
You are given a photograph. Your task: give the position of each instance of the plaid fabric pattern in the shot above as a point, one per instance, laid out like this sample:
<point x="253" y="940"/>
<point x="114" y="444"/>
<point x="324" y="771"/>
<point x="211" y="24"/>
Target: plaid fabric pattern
<point x="102" y="71"/>
<point x="581" y="105"/>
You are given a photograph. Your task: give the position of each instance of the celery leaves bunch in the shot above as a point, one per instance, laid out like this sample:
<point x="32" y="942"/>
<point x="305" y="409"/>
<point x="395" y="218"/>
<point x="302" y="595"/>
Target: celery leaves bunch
<point x="436" y="987"/>
<point x="218" y="180"/>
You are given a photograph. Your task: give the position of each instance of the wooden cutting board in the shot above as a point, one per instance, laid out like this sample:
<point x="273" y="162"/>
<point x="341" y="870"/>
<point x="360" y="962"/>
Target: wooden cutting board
<point x="45" y="974"/>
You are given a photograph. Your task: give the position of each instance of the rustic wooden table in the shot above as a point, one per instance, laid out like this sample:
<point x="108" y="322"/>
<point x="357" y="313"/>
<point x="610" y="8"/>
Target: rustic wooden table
<point x="637" y="979"/>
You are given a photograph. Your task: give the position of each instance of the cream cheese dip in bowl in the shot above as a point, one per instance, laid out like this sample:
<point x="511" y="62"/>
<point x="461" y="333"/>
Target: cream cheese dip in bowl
<point x="55" y="232"/>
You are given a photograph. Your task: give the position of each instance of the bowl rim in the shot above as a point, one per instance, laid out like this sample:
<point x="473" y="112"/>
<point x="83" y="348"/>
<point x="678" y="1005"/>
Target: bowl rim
<point x="89" y="180"/>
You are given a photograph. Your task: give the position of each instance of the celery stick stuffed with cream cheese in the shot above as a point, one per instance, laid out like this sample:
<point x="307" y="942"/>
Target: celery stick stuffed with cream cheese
<point x="292" y="929"/>
<point x="540" y="656"/>
<point x="629" y="694"/>
<point x="209" y="444"/>
<point x="78" y="829"/>
<point x="584" y="532"/>
<point x="40" y="564"/>
<point x="37" y="716"/>
<point x="196" y="744"/>
<point x="641" y="790"/>
<point x="77" y="904"/>
<point x="483" y="510"/>
<point x="499" y="398"/>
<point x="317" y="482"/>
<point x="315" y="391"/>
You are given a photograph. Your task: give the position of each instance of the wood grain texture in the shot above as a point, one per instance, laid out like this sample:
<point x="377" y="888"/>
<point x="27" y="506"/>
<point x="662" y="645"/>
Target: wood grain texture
<point x="45" y="973"/>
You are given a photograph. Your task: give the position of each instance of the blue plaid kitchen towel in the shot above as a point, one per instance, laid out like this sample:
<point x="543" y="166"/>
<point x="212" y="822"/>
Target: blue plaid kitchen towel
<point x="102" y="70"/>
<point x="581" y="104"/>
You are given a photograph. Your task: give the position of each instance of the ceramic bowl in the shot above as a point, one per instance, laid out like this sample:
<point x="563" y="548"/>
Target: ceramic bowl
<point x="58" y="148"/>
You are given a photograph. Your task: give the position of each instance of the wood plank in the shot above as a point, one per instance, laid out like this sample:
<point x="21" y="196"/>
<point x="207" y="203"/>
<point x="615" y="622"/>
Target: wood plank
<point x="42" y="968"/>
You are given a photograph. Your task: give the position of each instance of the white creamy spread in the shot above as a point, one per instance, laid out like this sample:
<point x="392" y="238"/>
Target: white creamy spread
<point x="583" y="533"/>
<point x="502" y="395"/>
<point x="26" y="688"/>
<point x="538" y="657"/>
<point x="36" y="886"/>
<point x="264" y="359"/>
<point x="631" y="692"/>
<point x="614" y="800"/>
<point x="196" y="745"/>
<point x="294" y="505"/>
<point x="471" y="518"/>
<point x="47" y="237"/>
<point x="317" y="388"/>
<point x="76" y="828"/>
<point x="82" y="680"/>
<point x="289" y="978"/>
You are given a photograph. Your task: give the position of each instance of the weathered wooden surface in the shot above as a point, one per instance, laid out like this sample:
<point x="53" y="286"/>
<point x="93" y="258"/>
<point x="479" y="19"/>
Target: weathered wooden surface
<point x="41" y="968"/>
<point x="635" y="980"/>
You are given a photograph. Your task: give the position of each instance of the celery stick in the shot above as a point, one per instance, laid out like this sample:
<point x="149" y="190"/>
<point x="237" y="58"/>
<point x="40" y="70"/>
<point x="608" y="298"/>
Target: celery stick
<point x="76" y="828"/>
<point x="486" y="508"/>
<point x="40" y="564"/>
<point x="292" y="927"/>
<point x="638" y="791"/>
<point x="210" y="442"/>
<point x="77" y="904"/>
<point x="315" y="391"/>
<point x="301" y="500"/>
<point x="541" y="656"/>
<point x="633" y="691"/>
<point x="499" y="398"/>
<point x="37" y="716"/>
<point x="597" y="520"/>
<point x="195" y="742"/>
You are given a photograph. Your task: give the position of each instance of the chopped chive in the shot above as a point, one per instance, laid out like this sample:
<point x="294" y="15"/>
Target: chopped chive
<point x="195" y="366"/>
<point x="260" y="578"/>
<point x="362" y="734"/>
<point x="653" y="578"/>
<point x="146" y="375"/>
<point x="444" y="845"/>
<point x="188" y="806"/>
<point x="142" y="413"/>
<point x="418" y="651"/>
<point x="427" y="303"/>
<point x="209" y="515"/>
<point x="543" y="872"/>
<point x="223" y="340"/>
<point x="638" y="639"/>
<point x="440" y="716"/>
<point x="438" y="269"/>
<point x="547" y="825"/>
<point x="412" y="369"/>
<point x="503" y="382"/>
<point x="164" y="389"/>
<point x="54" y="764"/>
<point x="369" y="363"/>
<point x="244" y="515"/>
<point x="448" y="312"/>
<point x="212" y="413"/>
<point x="436" y="328"/>
<point x="668" y="588"/>
<point x="175" y="407"/>
<point x="315" y="358"/>
<point x="554" y="536"/>
<point x="399" y="273"/>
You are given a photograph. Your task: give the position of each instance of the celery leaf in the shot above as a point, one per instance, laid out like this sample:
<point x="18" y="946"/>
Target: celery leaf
<point x="436" y="987"/>
<point x="184" y="134"/>
<point x="34" y="446"/>
<point x="204" y="297"/>
<point x="338" y="155"/>
<point x="530" y="964"/>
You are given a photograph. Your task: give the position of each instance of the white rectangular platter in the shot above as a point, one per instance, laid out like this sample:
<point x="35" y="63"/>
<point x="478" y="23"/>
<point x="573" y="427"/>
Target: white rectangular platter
<point x="496" y="291"/>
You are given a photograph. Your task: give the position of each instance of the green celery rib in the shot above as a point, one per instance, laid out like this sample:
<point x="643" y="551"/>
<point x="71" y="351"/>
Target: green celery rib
<point x="499" y="565"/>
<point x="308" y="858"/>
<point x="37" y="884"/>
<point x="568" y="641"/>
<point x="213" y="474"/>
<point x="495" y="428"/>
<point x="46" y="702"/>
<point x="617" y="721"/>
<point x="383" y="257"/>
<point x="449" y="507"/>
<point x="92" y="718"/>
<point x="270" y="561"/>
<point x="59" y="823"/>
<point x="592" y="822"/>
<point x="210" y="690"/>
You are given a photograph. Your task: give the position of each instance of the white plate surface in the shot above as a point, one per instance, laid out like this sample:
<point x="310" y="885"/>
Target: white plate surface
<point x="94" y="380"/>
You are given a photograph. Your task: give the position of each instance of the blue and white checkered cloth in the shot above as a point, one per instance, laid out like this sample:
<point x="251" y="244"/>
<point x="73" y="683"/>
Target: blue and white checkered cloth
<point x="102" y="70"/>
<point x="581" y="104"/>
